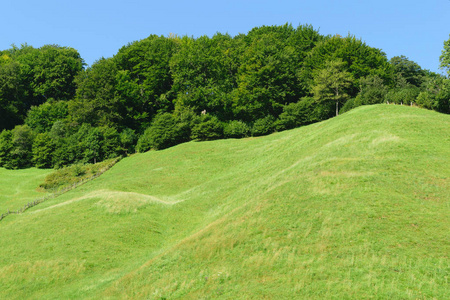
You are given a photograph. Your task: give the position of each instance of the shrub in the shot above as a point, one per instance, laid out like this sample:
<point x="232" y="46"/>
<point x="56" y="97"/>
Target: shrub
<point x="236" y="129"/>
<point x="164" y="132"/>
<point x="207" y="127"/>
<point x="263" y="126"/>
<point x="68" y="176"/>
<point x="297" y="114"/>
<point x="406" y="95"/>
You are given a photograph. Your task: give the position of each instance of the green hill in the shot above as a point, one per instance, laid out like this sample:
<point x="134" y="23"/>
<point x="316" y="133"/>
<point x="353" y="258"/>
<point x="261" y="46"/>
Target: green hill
<point x="353" y="207"/>
<point x="18" y="187"/>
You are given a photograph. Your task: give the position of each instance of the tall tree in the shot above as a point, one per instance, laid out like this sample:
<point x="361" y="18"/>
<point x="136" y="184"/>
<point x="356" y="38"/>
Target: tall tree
<point x="21" y="154"/>
<point x="360" y="59"/>
<point x="30" y="76"/>
<point x="41" y="118"/>
<point x="407" y="72"/>
<point x="331" y="84"/>
<point x="43" y="148"/>
<point x="144" y="79"/>
<point x="12" y="95"/>
<point x="445" y="57"/>
<point x="204" y="73"/>
<point x="268" y="73"/>
<point x="96" y="101"/>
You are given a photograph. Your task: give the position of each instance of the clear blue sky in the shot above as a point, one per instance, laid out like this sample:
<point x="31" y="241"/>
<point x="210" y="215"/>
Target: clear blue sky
<point x="96" y="28"/>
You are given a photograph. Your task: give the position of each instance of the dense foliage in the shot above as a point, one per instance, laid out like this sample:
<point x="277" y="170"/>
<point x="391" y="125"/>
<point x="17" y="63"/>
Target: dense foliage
<point x="162" y="91"/>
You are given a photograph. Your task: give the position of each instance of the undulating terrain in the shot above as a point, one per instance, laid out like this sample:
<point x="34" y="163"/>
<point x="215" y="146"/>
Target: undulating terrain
<point x="353" y="207"/>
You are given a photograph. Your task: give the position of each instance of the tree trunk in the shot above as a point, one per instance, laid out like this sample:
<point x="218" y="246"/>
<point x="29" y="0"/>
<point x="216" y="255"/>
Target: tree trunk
<point x="337" y="102"/>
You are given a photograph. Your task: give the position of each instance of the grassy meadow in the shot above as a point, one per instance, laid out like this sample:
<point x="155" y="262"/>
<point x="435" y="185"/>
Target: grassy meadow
<point x="355" y="207"/>
<point x="18" y="187"/>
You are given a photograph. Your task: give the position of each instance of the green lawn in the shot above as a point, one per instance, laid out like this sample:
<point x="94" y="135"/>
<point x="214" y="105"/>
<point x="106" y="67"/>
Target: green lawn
<point x="356" y="207"/>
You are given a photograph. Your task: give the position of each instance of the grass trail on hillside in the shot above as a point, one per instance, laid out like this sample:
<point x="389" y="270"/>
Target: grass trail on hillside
<point x="353" y="207"/>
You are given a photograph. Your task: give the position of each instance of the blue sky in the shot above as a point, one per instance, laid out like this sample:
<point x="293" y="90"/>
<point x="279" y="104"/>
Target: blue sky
<point x="98" y="28"/>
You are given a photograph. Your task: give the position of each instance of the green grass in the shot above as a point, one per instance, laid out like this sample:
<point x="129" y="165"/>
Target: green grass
<point x="356" y="207"/>
<point x="18" y="187"/>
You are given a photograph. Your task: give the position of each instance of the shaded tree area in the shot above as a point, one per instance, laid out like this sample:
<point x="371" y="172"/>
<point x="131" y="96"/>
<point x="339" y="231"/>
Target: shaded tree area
<point x="162" y="91"/>
<point x="30" y="77"/>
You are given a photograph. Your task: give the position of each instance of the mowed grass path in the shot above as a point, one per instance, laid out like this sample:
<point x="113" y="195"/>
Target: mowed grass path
<point x="18" y="187"/>
<point x="356" y="207"/>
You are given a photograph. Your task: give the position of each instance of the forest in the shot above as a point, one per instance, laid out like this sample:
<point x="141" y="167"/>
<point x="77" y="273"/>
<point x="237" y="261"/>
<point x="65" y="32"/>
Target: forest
<point x="161" y="91"/>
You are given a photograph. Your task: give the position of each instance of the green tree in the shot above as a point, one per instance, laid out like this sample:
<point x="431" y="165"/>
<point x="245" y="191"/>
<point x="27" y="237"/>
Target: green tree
<point x="96" y="102"/>
<point x="6" y="147"/>
<point x="332" y="83"/>
<point x="109" y="143"/>
<point x="43" y="148"/>
<point x="30" y="76"/>
<point x="360" y="60"/>
<point x="127" y="140"/>
<point x="144" y="80"/>
<point x="90" y="143"/>
<point x="207" y="128"/>
<point x="405" y="95"/>
<point x="436" y="94"/>
<point x="236" y="129"/>
<point x="263" y="126"/>
<point x="445" y="57"/>
<point x="54" y="72"/>
<point x="204" y="73"/>
<point x="41" y="118"/>
<point x="407" y="71"/>
<point x="164" y="132"/>
<point x="296" y="114"/>
<point x="372" y="90"/>
<point x="22" y="140"/>
<point x="269" y="75"/>
<point x="12" y="95"/>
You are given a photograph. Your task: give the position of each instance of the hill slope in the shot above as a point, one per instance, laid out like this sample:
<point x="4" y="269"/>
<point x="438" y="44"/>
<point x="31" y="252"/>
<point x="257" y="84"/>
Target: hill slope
<point x="353" y="207"/>
<point x="17" y="187"/>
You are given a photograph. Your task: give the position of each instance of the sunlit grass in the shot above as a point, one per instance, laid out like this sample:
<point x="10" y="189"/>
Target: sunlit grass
<point x="355" y="207"/>
<point x="17" y="187"/>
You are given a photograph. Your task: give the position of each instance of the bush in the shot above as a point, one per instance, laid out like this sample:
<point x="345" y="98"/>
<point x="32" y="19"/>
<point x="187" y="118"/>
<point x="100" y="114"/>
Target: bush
<point x="263" y="126"/>
<point x="207" y="128"/>
<point x="372" y="91"/>
<point x="296" y="114"/>
<point x="164" y="132"/>
<point x="236" y="129"/>
<point x="68" y="176"/>
<point x="349" y="105"/>
<point x="406" y="95"/>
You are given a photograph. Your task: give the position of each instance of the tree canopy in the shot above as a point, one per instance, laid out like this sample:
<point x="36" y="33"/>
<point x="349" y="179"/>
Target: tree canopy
<point x="161" y="91"/>
<point x="445" y="57"/>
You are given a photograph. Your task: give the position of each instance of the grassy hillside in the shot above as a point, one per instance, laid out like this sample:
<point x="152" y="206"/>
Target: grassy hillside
<point x="18" y="187"/>
<point x="353" y="207"/>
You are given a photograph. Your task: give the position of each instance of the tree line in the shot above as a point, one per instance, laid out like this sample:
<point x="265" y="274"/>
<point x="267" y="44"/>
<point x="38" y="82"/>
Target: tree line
<point x="162" y="91"/>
